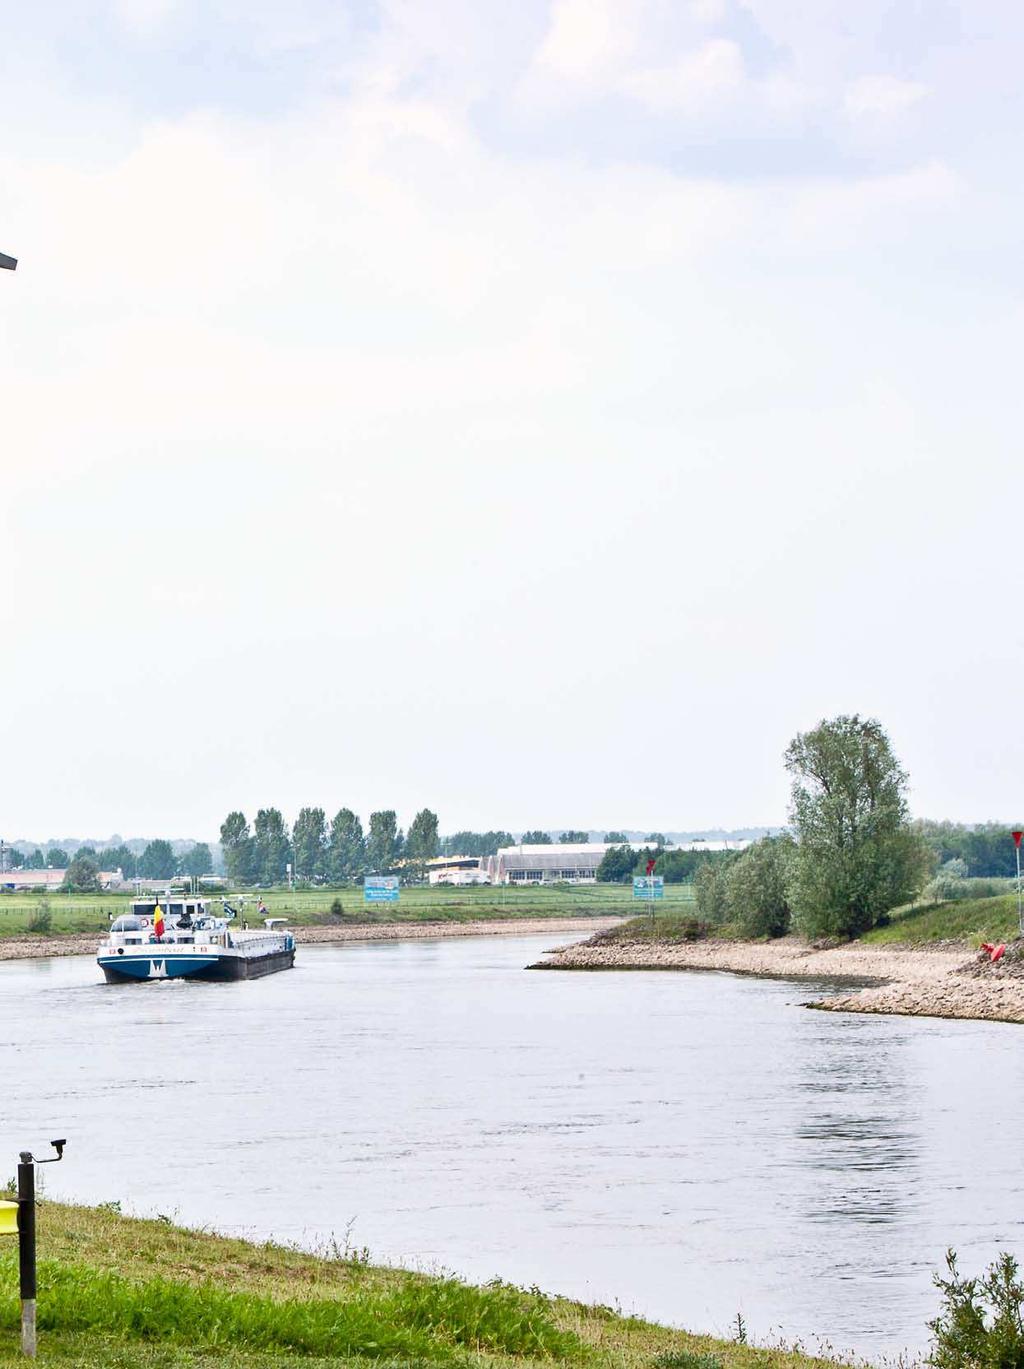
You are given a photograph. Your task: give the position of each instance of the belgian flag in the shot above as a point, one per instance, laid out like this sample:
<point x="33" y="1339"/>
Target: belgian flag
<point x="158" y="921"/>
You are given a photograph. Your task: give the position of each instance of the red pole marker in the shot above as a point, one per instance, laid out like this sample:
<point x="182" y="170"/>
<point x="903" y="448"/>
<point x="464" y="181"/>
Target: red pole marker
<point x="1016" y="838"/>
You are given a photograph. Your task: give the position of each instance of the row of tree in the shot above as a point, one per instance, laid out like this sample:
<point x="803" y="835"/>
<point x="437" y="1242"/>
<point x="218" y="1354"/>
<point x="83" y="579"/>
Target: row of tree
<point x="157" y="861"/>
<point x="319" y="850"/>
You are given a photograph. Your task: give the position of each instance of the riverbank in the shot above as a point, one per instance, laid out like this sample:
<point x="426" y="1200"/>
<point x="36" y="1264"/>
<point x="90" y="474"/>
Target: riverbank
<point x="116" y="1290"/>
<point x="35" y="946"/>
<point x="939" y="981"/>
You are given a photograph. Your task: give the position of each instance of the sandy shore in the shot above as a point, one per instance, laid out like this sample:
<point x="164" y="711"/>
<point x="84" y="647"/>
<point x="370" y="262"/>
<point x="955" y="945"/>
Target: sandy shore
<point x="35" y="947"/>
<point x="933" y="982"/>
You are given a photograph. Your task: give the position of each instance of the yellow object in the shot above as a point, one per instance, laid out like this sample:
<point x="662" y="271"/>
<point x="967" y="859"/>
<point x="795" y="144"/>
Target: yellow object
<point x="8" y="1219"/>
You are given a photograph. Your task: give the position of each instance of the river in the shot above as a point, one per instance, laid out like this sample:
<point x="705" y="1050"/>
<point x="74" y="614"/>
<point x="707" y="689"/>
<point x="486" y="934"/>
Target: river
<point x="683" y="1145"/>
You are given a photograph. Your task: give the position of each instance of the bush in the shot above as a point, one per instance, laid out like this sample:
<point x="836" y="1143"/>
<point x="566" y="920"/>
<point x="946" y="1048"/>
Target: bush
<point x="948" y="888"/>
<point x="980" y="1322"/>
<point x="686" y="1359"/>
<point x="336" y="907"/>
<point x="41" y="918"/>
<point x="756" y="898"/>
<point x="710" y="890"/>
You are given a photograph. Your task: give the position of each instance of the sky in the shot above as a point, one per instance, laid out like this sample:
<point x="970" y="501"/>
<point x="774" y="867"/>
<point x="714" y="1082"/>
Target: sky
<point x="536" y="412"/>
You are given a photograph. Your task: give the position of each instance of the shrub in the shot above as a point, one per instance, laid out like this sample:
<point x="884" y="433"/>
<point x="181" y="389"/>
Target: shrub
<point x="980" y="1322"/>
<point x="710" y="890"/>
<point x="41" y="918"/>
<point x="336" y="907"/>
<point x="686" y="1359"/>
<point x="756" y="898"/>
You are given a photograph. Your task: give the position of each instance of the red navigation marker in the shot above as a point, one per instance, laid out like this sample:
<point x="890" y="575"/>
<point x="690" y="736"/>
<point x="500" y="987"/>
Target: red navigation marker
<point x="1016" y="838"/>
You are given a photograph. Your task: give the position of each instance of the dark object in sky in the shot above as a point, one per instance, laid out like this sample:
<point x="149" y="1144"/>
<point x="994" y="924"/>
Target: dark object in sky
<point x="7" y="263"/>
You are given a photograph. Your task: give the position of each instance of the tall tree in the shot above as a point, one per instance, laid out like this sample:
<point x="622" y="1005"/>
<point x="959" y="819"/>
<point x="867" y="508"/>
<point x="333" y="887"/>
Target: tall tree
<point x="198" y="861"/>
<point x="158" y="861"/>
<point x="616" y="838"/>
<point x="16" y="858"/>
<point x="37" y="861"/>
<point x="421" y="840"/>
<point x="857" y="855"/>
<point x="537" y="838"/>
<point x="617" y="864"/>
<point x="573" y="838"/>
<point x="346" y="855"/>
<point x="658" y="838"/>
<point x="272" y="849"/>
<point x="309" y="842"/>
<point x="57" y="858"/>
<point x="383" y="842"/>
<point x="239" y="851"/>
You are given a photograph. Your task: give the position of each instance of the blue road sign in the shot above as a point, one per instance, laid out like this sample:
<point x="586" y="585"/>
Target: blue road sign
<point x="380" y="889"/>
<point x="649" y="886"/>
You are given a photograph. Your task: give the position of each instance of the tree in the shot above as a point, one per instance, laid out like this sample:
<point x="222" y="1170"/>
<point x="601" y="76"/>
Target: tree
<point x="82" y="876"/>
<point x="271" y="847"/>
<point x="711" y="891"/>
<point x="37" y="861"/>
<point x="657" y="838"/>
<point x="57" y="858"/>
<point x="421" y="841"/>
<point x="857" y="855"/>
<point x="309" y="842"/>
<point x="87" y="850"/>
<point x="616" y="838"/>
<point x="346" y="854"/>
<point x="617" y="864"/>
<point x="383" y="842"/>
<point x="535" y="839"/>
<point x="158" y="861"/>
<point x="118" y="858"/>
<point x="572" y="838"/>
<point x="476" y="843"/>
<point x="16" y="858"/>
<point x="756" y="888"/>
<point x="239" y="851"/>
<point x="198" y="861"/>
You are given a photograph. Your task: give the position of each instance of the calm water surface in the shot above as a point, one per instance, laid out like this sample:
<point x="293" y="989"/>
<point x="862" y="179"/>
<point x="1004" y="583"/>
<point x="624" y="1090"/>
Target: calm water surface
<point x="683" y="1145"/>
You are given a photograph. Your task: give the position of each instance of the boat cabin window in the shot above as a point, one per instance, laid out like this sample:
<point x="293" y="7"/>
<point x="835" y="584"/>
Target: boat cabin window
<point x="126" y="924"/>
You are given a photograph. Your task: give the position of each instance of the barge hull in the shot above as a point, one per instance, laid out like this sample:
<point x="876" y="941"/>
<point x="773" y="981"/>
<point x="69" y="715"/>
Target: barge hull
<point x="148" y="970"/>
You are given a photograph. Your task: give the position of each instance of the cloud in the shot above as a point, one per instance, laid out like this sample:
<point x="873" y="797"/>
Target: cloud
<point x="587" y="37"/>
<point x="700" y="78"/>
<point x="881" y="96"/>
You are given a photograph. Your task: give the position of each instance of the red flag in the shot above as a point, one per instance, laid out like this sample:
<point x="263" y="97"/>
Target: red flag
<point x="1016" y="838"/>
<point x="651" y="862"/>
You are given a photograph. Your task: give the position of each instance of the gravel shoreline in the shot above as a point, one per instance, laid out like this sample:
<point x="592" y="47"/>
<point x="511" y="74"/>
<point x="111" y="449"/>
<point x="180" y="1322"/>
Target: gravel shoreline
<point x="931" y="982"/>
<point x="36" y="947"/>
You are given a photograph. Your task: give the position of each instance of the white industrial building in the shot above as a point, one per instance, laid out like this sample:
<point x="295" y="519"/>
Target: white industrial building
<point x="571" y="864"/>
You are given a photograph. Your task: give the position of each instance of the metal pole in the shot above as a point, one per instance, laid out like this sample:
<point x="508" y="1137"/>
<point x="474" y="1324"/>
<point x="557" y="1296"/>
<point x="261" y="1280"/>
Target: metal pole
<point x="27" y="1252"/>
<point x="1020" y="914"/>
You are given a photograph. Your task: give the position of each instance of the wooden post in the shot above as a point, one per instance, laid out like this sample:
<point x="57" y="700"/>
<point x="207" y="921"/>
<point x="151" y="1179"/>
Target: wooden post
<point x="27" y="1252"/>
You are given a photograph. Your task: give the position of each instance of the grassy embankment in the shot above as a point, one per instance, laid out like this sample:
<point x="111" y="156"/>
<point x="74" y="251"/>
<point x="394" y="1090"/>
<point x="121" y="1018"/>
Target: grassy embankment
<point x="91" y="912"/>
<point x="970" y="920"/>
<point x="119" y="1293"/>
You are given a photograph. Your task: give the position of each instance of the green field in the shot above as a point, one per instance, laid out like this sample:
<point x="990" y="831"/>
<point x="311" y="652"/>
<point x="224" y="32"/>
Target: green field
<point x="92" y="912"/>
<point x="119" y="1293"/>
<point x="970" y="920"/>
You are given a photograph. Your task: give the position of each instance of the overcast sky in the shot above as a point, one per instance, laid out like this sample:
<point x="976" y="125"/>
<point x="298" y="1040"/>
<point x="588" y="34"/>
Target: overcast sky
<point x="539" y="412"/>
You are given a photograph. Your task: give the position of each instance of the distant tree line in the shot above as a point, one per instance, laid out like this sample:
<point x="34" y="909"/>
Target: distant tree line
<point x="157" y="861"/>
<point x="985" y="849"/>
<point x="319" y="850"/>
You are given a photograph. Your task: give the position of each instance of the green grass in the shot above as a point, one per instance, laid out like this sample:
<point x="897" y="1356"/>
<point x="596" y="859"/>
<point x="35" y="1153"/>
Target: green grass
<point x="121" y="1293"/>
<point x="92" y="912"/>
<point x="970" y="920"/>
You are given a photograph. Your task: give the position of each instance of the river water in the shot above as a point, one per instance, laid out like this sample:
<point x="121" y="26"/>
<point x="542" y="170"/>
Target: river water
<point x="683" y="1145"/>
